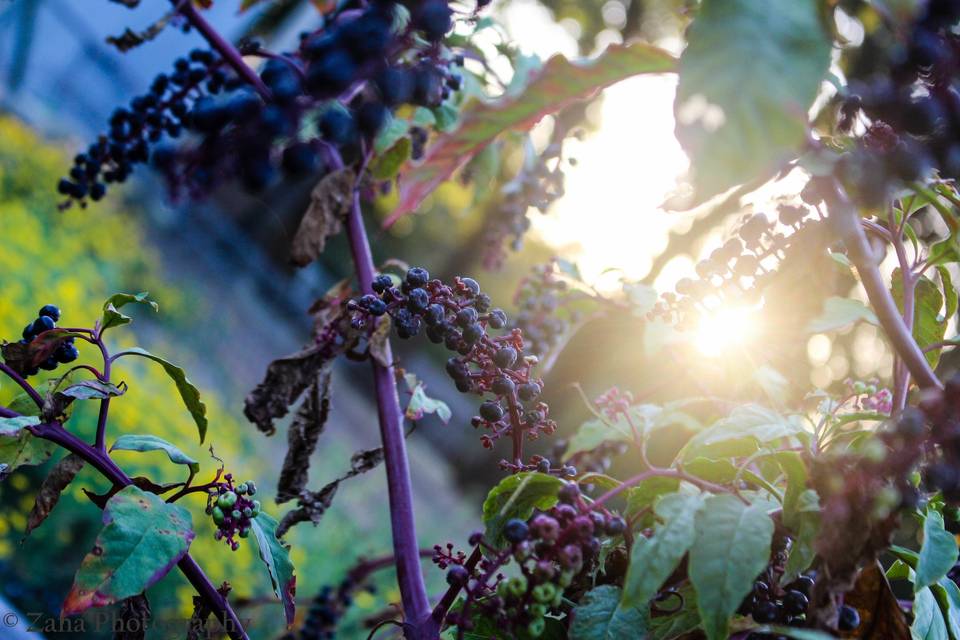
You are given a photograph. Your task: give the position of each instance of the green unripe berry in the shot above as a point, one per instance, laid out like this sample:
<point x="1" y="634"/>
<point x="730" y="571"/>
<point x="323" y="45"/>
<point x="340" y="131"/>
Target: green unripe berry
<point x="218" y="515"/>
<point x="227" y="500"/>
<point x="536" y="627"/>
<point x="517" y="586"/>
<point x="537" y="610"/>
<point x="251" y="488"/>
<point x="235" y="514"/>
<point x="256" y="508"/>
<point x="248" y="512"/>
<point x="244" y="532"/>
<point x="565" y="579"/>
<point x="544" y="592"/>
<point x="242" y="488"/>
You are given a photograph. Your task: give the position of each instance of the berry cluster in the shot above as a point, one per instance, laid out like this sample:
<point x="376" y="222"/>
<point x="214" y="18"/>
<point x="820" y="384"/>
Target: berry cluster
<point x="174" y="102"/>
<point x="66" y="351"/>
<point x="232" y="508"/>
<point x="539" y="297"/>
<point x="459" y="317"/>
<point x="555" y="551"/>
<point x="869" y="396"/>
<point x="343" y="81"/>
<point x="735" y="273"/>
<point x="907" y="93"/>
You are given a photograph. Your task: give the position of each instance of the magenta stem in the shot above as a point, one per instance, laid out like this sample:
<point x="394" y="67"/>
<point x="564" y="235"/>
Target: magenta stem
<point x="227" y="51"/>
<point x="413" y="591"/>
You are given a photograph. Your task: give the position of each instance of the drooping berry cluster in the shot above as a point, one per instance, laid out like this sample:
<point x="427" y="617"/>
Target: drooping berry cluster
<point x="539" y="298"/>
<point x="232" y="508"/>
<point x="907" y="93"/>
<point x="460" y="317"/>
<point x="555" y="550"/>
<point x="65" y="352"/>
<point x="343" y="80"/>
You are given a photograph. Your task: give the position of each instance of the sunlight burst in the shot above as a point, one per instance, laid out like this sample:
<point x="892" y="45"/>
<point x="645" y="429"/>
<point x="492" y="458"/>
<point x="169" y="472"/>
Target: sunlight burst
<point x="723" y="329"/>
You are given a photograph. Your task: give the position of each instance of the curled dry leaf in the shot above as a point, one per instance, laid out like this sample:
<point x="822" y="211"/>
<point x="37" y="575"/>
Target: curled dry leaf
<point x="131" y="39"/>
<point x="302" y="437"/>
<point x="53" y="485"/>
<point x="312" y="505"/>
<point x="329" y="205"/>
<point x="133" y="618"/>
<point x="379" y="342"/>
<point x="287" y="378"/>
<point x="880" y="613"/>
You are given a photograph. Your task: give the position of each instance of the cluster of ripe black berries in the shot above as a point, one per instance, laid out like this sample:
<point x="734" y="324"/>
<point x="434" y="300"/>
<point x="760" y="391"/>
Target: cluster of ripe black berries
<point x="460" y="317"/>
<point x="345" y="78"/>
<point x="907" y="92"/>
<point x="66" y="351"/>
<point x="735" y="273"/>
<point x="538" y="184"/>
<point x="555" y="550"/>
<point x="540" y="300"/>
<point x="232" y="508"/>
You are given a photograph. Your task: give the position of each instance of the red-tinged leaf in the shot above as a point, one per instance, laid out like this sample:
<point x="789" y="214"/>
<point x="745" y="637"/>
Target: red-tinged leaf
<point x="559" y="83"/>
<point x="142" y="539"/>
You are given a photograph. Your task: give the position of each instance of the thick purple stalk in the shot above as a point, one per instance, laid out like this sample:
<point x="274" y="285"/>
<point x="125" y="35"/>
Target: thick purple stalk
<point x="99" y="460"/>
<point x="226" y="50"/>
<point x="100" y="442"/>
<point x="413" y="591"/>
<point x="846" y="219"/>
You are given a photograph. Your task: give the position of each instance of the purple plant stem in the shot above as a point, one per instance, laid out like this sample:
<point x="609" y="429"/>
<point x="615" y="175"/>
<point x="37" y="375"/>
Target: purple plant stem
<point x="99" y="460"/>
<point x="846" y="220"/>
<point x="413" y="591"/>
<point x="440" y="611"/>
<point x="7" y="413"/>
<point x="901" y="382"/>
<point x="104" y="403"/>
<point x="16" y="377"/>
<point x="227" y="51"/>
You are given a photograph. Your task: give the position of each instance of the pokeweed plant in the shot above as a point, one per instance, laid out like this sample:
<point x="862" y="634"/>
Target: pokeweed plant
<point x="774" y="516"/>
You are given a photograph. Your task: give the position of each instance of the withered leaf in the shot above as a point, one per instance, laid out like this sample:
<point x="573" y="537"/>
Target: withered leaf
<point x="379" y="342"/>
<point x="302" y="437"/>
<point x="880" y="613"/>
<point x="53" y="485"/>
<point x="312" y="505"/>
<point x="197" y="627"/>
<point x="22" y="357"/>
<point x="286" y="379"/>
<point x="131" y="39"/>
<point x="133" y="618"/>
<point x="329" y="205"/>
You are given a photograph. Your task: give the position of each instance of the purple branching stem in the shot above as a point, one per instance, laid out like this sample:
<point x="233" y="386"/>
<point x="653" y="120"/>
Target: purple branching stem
<point x="440" y="611"/>
<point x="413" y="591"/>
<point x="846" y="220"/>
<point x="227" y="51"/>
<point x="99" y="460"/>
<point x="660" y="473"/>
<point x="104" y="403"/>
<point x="901" y="378"/>
<point x="7" y="413"/>
<point x="16" y="377"/>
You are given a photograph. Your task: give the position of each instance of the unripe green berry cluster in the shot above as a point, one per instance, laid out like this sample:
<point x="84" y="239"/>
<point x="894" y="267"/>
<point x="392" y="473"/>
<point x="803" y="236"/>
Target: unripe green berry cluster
<point x="233" y="509"/>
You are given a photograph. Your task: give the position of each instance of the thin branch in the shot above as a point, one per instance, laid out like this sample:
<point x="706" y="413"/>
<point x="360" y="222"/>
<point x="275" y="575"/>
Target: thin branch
<point x="440" y="611"/>
<point x="100" y="443"/>
<point x="26" y="386"/>
<point x="660" y="473"/>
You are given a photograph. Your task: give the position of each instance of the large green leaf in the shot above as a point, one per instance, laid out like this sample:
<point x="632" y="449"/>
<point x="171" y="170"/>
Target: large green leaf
<point x="276" y="556"/>
<point x="559" y="83"/>
<point x="143" y="539"/>
<point x="132" y="442"/>
<point x="839" y="313"/>
<point x="188" y="393"/>
<point x="928" y="326"/>
<point x="19" y="447"/>
<point x="601" y="616"/>
<point x="750" y="421"/>
<point x="947" y="594"/>
<point x="516" y="496"/>
<point x="928" y="621"/>
<point x="732" y="547"/>
<point x="653" y="559"/>
<point x="646" y="493"/>
<point x="748" y="75"/>
<point x="111" y="314"/>
<point x="938" y="553"/>
<point x="645" y="418"/>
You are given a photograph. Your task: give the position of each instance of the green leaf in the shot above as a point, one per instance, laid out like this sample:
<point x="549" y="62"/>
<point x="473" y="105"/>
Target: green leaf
<point x="558" y="84"/>
<point x="938" y="553"/>
<point x="600" y="616"/>
<point x="796" y="471"/>
<point x="951" y="299"/>
<point x="928" y="622"/>
<point x="947" y="594"/>
<point x="93" y="390"/>
<point x="421" y="404"/>
<point x="113" y="318"/>
<point x="188" y="393"/>
<point x="839" y="313"/>
<point x="517" y="496"/>
<point x="748" y="75"/>
<point x="276" y="556"/>
<point x="645" y="417"/>
<point x="653" y="559"/>
<point x="390" y="134"/>
<point x="645" y="494"/>
<point x="19" y="447"/>
<point x="445" y="117"/>
<point x="802" y="553"/>
<point x="676" y="625"/>
<point x="928" y="327"/>
<point x="746" y="421"/>
<point x="143" y="538"/>
<point x="130" y="442"/>
<point x="718" y="471"/>
<point x="593" y="433"/>
<point x="732" y="547"/>
<point x="388" y="164"/>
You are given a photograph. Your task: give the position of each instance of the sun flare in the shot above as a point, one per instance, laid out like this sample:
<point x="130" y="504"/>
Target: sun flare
<point x="724" y="329"/>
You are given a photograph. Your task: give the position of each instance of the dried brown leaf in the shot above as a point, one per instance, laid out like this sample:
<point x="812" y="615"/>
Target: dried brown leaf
<point x="131" y="39"/>
<point x="53" y="485"/>
<point x="133" y="618"/>
<point x="379" y="343"/>
<point x="880" y="613"/>
<point x="286" y="379"/>
<point x="329" y="205"/>
<point x="302" y="437"/>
